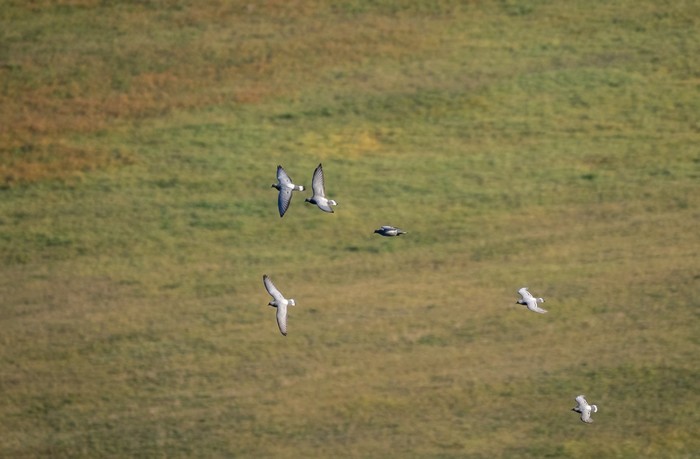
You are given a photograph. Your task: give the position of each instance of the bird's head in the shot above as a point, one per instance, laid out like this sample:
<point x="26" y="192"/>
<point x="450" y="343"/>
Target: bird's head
<point x="292" y="302"/>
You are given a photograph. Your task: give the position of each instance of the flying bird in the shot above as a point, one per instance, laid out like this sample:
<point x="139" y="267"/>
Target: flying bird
<point x="584" y="408"/>
<point x="285" y="186"/>
<point x="319" y="188"/>
<point x="530" y="301"/>
<point x="279" y="302"/>
<point x="389" y="231"/>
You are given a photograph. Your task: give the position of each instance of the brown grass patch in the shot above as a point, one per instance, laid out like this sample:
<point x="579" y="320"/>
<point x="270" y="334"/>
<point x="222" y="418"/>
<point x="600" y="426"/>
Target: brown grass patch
<point x="249" y="54"/>
<point x="34" y="162"/>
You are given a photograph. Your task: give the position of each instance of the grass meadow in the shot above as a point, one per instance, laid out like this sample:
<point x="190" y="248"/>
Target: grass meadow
<point x="547" y="144"/>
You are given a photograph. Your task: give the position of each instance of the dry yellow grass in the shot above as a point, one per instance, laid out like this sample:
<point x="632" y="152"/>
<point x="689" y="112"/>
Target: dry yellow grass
<point x="520" y="143"/>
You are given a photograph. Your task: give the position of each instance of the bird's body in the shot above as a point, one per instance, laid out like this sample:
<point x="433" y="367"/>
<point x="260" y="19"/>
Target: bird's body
<point x="389" y="231"/>
<point x="585" y="409"/>
<point x="318" y="186"/>
<point x="285" y="186"/>
<point x="279" y="302"/>
<point x="530" y="301"/>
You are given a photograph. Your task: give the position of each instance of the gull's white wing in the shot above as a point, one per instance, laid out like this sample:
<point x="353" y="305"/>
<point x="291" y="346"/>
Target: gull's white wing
<point x="284" y="199"/>
<point x="525" y="294"/>
<point x="282" y="318"/>
<point x="272" y="290"/>
<point x="282" y="176"/>
<point x="586" y="414"/>
<point x="532" y="305"/>
<point x="581" y="400"/>
<point x="318" y="183"/>
<point x="324" y="205"/>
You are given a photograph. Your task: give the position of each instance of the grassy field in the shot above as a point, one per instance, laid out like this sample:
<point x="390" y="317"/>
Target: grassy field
<point x="534" y="143"/>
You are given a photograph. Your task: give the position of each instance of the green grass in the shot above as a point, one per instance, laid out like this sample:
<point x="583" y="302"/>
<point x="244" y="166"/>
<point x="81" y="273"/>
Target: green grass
<point x="520" y="143"/>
